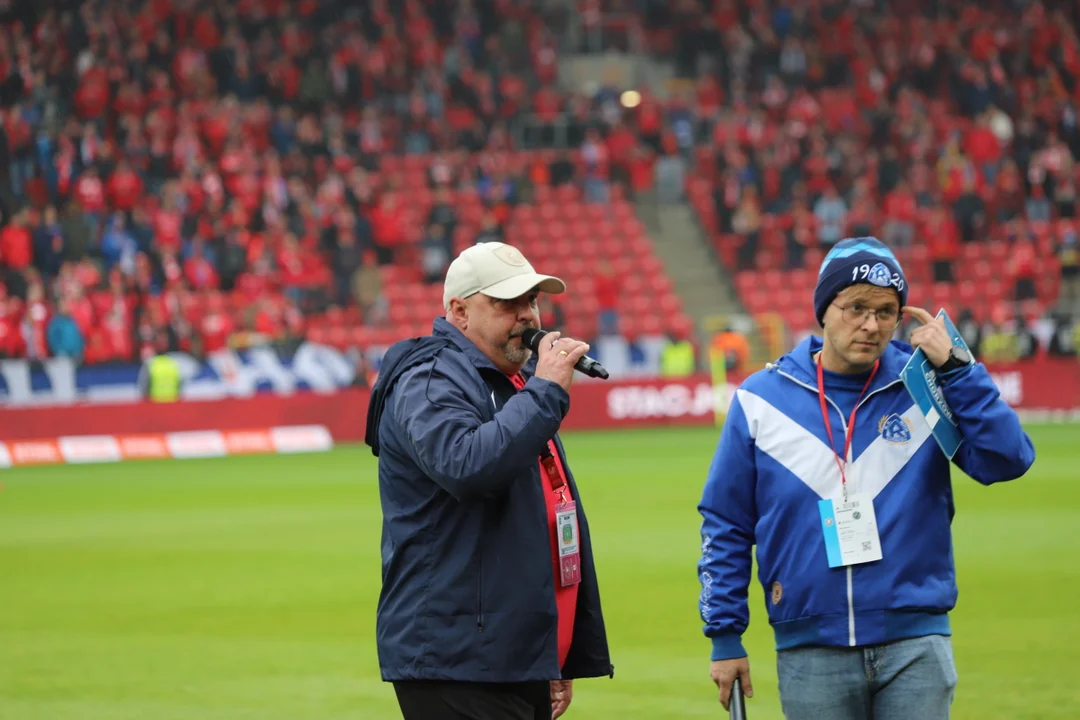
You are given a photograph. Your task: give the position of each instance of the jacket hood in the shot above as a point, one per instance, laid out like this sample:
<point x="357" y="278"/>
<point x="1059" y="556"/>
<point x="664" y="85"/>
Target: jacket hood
<point x="411" y="352"/>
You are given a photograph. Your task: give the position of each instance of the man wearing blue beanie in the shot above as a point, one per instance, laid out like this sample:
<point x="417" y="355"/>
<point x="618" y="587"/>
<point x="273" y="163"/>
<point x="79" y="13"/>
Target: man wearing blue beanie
<point x="828" y="466"/>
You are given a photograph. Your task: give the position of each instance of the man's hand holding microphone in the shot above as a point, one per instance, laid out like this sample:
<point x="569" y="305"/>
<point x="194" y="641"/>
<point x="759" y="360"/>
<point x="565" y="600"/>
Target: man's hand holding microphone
<point x="558" y="355"/>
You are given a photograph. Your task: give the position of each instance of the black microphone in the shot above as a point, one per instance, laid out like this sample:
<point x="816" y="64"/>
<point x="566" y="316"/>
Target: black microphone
<point x="585" y="364"/>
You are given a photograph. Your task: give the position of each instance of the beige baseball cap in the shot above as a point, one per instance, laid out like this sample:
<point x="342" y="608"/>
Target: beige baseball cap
<point x="497" y="270"/>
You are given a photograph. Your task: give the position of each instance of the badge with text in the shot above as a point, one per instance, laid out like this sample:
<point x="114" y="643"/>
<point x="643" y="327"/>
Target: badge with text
<point x="566" y="526"/>
<point x="920" y="379"/>
<point x="850" y="529"/>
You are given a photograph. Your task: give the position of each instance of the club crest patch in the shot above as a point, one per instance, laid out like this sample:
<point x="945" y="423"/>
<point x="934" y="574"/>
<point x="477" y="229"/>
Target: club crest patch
<point x="880" y="275"/>
<point x="510" y="255"/>
<point x="895" y="429"/>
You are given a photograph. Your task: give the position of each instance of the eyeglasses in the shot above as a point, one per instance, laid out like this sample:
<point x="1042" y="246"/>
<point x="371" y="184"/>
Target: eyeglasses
<point x="857" y="315"/>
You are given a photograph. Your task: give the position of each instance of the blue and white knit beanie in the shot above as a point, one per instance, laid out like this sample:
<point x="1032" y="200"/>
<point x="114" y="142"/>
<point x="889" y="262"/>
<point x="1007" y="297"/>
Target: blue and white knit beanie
<point x="853" y="261"/>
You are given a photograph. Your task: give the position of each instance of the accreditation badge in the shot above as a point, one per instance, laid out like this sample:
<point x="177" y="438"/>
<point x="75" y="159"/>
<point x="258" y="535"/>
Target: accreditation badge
<point x="566" y="525"/>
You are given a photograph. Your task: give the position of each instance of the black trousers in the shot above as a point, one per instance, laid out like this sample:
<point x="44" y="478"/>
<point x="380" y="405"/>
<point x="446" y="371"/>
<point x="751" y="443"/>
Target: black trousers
<point x="436" y="700"/>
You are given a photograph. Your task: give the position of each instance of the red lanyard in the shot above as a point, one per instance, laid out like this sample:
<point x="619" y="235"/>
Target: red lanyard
<point x="550" y="464"/>
<point x="841" y="461"/>
<point x="548" y="461"/>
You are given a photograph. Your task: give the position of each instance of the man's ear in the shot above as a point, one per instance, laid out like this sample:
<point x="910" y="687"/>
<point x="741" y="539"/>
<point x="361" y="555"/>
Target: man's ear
<point x="458" y="313"/>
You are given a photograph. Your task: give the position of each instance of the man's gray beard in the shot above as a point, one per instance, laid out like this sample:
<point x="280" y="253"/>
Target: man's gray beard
<point x="516" y="353"/>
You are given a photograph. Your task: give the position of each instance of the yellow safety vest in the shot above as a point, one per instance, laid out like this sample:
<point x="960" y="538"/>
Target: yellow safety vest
<point x="164" y="379"/>
<point x="677" y="359"/>
<point x="1000" y="347"/>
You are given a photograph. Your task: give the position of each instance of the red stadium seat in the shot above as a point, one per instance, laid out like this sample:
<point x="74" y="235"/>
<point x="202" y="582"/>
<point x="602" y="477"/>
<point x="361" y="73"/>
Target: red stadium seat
<point x="633" y="285"/>
<point x="637" y="304"/>
<point x="669" y="304"/>
<point x="772" y="280"/>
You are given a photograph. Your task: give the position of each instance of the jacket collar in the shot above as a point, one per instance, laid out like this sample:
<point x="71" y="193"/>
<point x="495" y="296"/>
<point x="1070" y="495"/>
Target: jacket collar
<point x="443" y="328"/>
<point x="799" y="363"/>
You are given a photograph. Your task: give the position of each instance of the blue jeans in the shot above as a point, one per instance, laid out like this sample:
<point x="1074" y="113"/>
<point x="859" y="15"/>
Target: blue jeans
<point x="900" y="680"/>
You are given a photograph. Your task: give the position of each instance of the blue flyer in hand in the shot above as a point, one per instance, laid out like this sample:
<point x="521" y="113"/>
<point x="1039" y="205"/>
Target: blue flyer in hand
<point x="922" y="384"/>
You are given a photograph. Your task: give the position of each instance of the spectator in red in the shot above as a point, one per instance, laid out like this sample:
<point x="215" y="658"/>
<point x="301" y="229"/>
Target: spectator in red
<point x="641" y="171"/>
<point x="79" y="306"/>
<point x="12" y="343"/>
<point x="116" y="322"/>
<point x="125" y="187"/>
<point x="942" y="238"/>
<point x="650" y="121"/>
<point x="608" y="292"/>
<point x="268" y="318"/>
<point x="215" y="327"/>
<point x="620" y="143"/>
<point x="17" y="243"/>
<point x="1009" y="192"/>
<point x="168" y="224"/>
<point x="546" y="106"/>
<point x="97" y="349"/>
<point x="92" y="96"/>
<point x="901" y="213"/>
<point x="388" y="227"/>
<point x="984" y="148"/>
<point x="1022" y="268"/>
<point x="199" y="270"/>
<point x="36" y="321"/>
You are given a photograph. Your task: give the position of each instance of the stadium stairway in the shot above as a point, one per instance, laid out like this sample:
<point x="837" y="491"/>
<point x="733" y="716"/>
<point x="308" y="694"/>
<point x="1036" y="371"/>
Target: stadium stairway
<point x="707" y="294"/>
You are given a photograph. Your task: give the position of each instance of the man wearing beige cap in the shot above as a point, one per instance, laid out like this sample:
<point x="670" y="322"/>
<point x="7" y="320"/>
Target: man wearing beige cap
<point x="489" y="605"/>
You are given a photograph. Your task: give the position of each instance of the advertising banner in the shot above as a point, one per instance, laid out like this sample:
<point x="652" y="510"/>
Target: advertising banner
<point x="225" y="374"/>
<point x="1050" y="388"/>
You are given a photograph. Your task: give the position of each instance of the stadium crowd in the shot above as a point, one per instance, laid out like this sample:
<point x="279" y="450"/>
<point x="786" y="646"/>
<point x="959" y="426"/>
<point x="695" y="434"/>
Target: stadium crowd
<point x="196" y="174"/>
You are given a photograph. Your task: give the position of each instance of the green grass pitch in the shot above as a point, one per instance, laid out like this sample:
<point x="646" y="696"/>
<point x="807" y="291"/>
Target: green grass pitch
<point x="245" y="588"/>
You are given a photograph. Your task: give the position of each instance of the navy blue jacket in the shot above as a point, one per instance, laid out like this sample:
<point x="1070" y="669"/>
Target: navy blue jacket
<point x="468" y="588"/>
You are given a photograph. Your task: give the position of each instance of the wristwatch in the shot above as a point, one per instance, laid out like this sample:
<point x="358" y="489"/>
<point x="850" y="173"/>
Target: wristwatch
<point x="958" y="358"/>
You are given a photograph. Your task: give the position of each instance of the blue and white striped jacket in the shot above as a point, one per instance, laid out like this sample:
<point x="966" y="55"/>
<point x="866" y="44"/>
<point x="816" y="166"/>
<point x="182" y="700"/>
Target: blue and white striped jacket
<point x="772" y="466"/>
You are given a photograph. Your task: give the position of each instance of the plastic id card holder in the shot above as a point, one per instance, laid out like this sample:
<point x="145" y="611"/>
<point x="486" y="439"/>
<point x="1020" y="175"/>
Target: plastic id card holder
<point x="850" y="530"/>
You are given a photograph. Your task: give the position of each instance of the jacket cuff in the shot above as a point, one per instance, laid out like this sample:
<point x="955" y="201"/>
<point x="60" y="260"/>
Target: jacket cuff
<point x="727" y="647"/>
<point x="956" y="374"/>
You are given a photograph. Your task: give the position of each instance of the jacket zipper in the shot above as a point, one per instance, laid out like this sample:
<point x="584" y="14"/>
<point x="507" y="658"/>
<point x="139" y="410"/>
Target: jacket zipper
<point x="480" y="598"/>
<point x="843" y="423"/>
